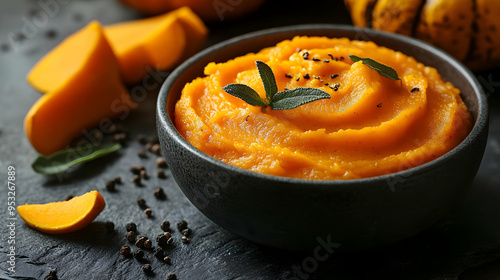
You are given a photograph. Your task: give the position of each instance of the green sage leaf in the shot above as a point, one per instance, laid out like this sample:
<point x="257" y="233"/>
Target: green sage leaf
<point x="63" y="160"/>
<point x="382" y="69"/>
<point x="289" y="99"/>
<point x="268" y="79"/>
<point x="245" y="93"/>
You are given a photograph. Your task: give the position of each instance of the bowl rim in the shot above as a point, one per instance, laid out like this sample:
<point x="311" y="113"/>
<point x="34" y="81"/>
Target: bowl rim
<point x="480" y="123"/>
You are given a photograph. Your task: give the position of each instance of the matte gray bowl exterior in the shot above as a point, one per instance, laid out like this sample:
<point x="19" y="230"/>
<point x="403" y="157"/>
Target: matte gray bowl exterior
<point x="336" y="215"/>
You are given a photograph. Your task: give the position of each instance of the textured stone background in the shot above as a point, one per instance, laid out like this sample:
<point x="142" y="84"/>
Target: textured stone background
<point x="464" y="245"/>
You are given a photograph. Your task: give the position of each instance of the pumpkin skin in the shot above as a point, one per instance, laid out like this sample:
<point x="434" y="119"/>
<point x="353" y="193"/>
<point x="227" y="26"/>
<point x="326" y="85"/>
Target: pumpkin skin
<point x="211" y="11"/>
<point x="469" y="30"/>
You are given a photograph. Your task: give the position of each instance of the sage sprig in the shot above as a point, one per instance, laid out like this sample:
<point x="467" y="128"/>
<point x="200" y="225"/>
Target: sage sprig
<point x="63" y="160"/>
<point x="382" y="69"/>
<point x="277" y="100"/>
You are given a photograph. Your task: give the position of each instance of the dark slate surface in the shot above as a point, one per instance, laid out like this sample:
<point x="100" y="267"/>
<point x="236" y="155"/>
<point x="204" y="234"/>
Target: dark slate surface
<point x="464" y="245"/>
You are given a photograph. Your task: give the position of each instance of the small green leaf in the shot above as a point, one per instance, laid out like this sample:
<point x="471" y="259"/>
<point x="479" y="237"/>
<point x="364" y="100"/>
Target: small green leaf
<point x="382" y="69"/>
<point x="268" y="79"/>
<point x="245" y="93"/>
<point x="296" y="97"/>
<point x="63" y="160"/>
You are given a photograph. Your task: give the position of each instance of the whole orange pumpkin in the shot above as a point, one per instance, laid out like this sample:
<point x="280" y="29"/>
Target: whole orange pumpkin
<point x="467" y="29"/>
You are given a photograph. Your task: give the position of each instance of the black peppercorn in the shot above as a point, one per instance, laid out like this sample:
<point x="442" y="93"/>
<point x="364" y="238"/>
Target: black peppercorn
<point x="165" y="226"/>
<point x="161" y="239"/>
<point x="158" y="253"/>
<point x="117" y="179"/>
<point x="131" y="236"/>
<point x="147" y="268"/>
<point x="182" y="225"/>
<point x="167" y="260"/>
<point x="414" y="89"/>
<point x="156" y="149"/>
<point x="171" y="276"/>
<point x="141" y="202"/>
<point x="185" y="240"/>
<point x="125" y="250"/>
<point x="159" y="193"/>
<point x="140" y="242"/>
<point x="131" y="227"/>
<point x="110" y="186"/>
<point x="160" y="162"/>
<point x="148" y="244"/>
<point x="68" y="197"/>
<point x="138" y="254"/>
<point x="148" y="212"/>
<point x="144" y="174"/>
<point x="142" y="154"/>
<point x="136" y="169"/>
<point x="186" y="231"/>
<point x="136" y="180"/>
<point x="167" y="234"/>
<point x="51" y="275"/>
<point x="160" y="173"/>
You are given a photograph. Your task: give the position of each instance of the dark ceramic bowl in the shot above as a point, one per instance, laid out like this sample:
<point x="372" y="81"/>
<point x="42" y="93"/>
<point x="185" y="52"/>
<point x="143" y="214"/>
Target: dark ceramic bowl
<point x="300" y="214"/>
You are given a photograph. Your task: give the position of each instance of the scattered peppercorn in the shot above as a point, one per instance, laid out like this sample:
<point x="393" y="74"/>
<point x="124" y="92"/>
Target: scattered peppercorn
<point x="186" y="231"/>
<point x="171" y="276"/>
<point x="160" y="162"/>
<point x="306" y="76"/>
<point x="148" y="212"/>
<point x="414" y="89"/>
<point x="167" y="234"/>
<point x="288" y="76"/>
<point x="305" y="55"/>
<point x="131" y="226"/>
<point x="141" y="139"/>
<point x="142" y="203"/>
<point x="110" y="186"/>
<point x="379" y="105"/>
<point x="147" y="268"/>
<point x="136" y="180"/>
<point x="330" y="55"/>
<point x="334" y="76"/>
<point x="341" y="58"/>
<point x="148" y="146"/>
<point x="335" y="87"/>
<point x="109" y="226"/>
<point x="165" y="226"/>
<point x="167" y="260"/>
<point x="161" y="239"/>
<point x="156" y="149"/>
<point x="158" y="253"/>
<point x="51" y="33"/>
<point x="142" y="154"/>
<point x="160" y="173"/>
<point x="125" y="250"/>
<point x="117" y="179"/>
<point x="131" y="236"/>
<point x="182" y="225"/>
<point x="144" y="174"/>
<point x="136" y="169"/>
<point x="140" y="242"/>
<point x="138" y="254"/>
<point x="326" y="61"/>
<point x="298" y="79"/>
<point x="316" y="59"/>
<point x="148" y="244"/>
<point x="159" y="193"/>
<point x="185" y="240"/>
<point x="120" y="137"/>
<point x="68" y="197"/>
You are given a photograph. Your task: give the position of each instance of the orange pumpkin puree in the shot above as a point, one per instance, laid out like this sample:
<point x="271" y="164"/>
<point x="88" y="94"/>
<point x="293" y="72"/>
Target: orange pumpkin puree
<point x="370" y="126"/>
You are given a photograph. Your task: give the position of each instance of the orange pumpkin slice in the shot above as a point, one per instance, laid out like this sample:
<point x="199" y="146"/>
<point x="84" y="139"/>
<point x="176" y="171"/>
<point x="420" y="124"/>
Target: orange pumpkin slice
<point x="63" y="216"/>
<point x="90" y="93"/>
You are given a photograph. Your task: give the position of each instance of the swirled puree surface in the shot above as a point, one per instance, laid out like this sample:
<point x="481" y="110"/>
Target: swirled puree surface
<point x="370" y="126"/>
